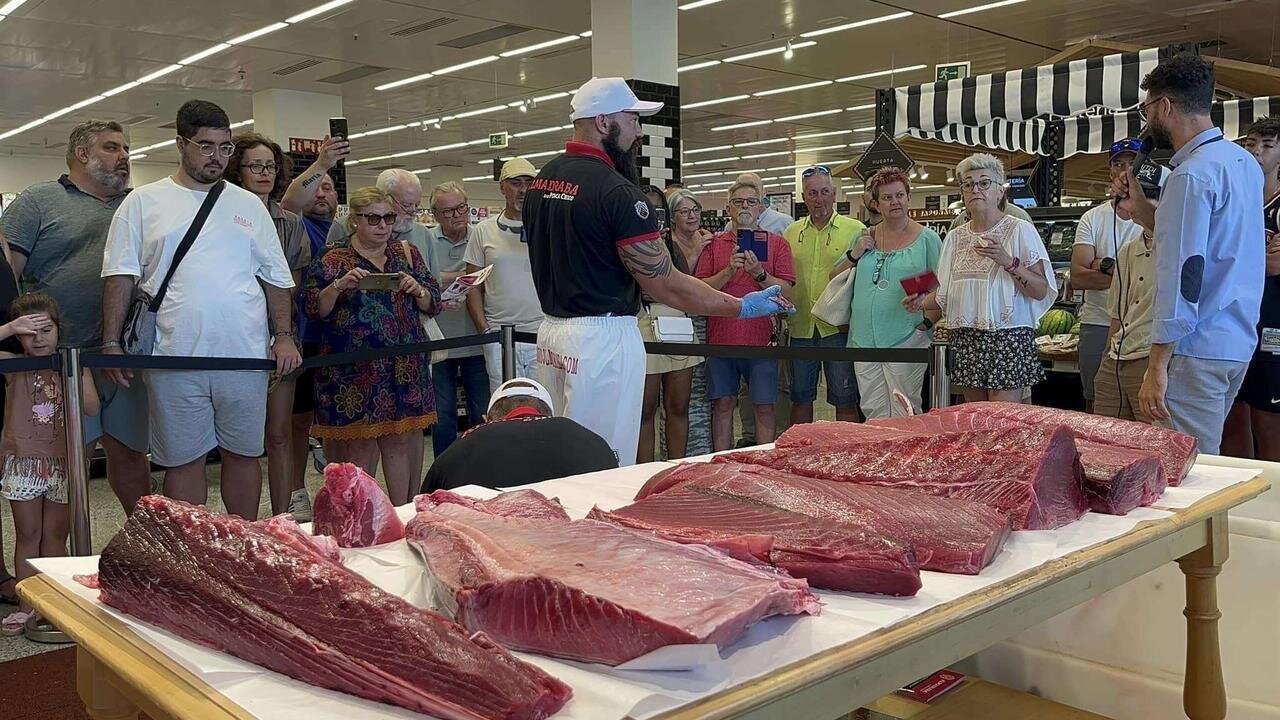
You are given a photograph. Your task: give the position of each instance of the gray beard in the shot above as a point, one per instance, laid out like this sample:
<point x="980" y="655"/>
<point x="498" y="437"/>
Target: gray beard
<point x="109" y="179"/>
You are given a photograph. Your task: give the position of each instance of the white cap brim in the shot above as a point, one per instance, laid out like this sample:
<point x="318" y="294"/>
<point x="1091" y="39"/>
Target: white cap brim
<point x="643" y="108"/>
<point x="522" y="386"/>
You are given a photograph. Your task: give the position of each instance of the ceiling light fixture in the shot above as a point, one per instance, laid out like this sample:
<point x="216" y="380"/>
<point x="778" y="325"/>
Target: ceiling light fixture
<point x="209" y="52"/>
<point x="317" y="10"/>
<point x="735" y="126"/>
<point x="477" y="178"/>
<point x="802" y="116"/>
<point x="717" y="101"/>
<point x="713" y="160"/>
<point x="405" y="81"/>
<point x="159" y="73"/>
<point x="465" y="65"/>
<point x="786" y="50"/>
<point x="257" y="33"/>
<point x="524" y="107"/>
<point x="768" y="154"/>
<point x="10" y="6"/>
<point x="540" y="46"/>
<point x="979" y="8"/>
<point x="860" y="108"/>
<point x="792" y="88"/>
<point x="709" y="149"/>
<point x="697" y="66"/>
<point x="880" y="73"/>
<point x="790" y="52"/>
<point x="697" y="4"/>
<point x="423" y="171"/>
<point x="858" y="24"/>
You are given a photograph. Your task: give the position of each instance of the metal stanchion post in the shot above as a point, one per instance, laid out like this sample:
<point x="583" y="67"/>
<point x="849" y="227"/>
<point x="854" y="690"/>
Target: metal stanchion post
<point x="77" y="470"/>
<point x="508" y="352"/>
<point x="940" y="387"/>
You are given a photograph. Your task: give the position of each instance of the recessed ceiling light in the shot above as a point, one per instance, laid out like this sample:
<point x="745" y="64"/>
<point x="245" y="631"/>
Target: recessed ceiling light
<point x="539" y="46"/>
<point x="208" y="52"/>
<point x="318" y="10"/>
<point x="159" y="73"/>
<point x="735" y="126"/>
<point x="880" y="73"/>
<point x="10" y="6"/>
<point x="802" y="116"/>
<point x="698" y="4"/>
<point x="858" y="24"/>
<point x="771" y="51"/>
<point x="708" y="149"/>
<point x="979" y="8"/>
<point x="257" y="33"/>
<point x="467" y="64"/>
<point x="717" y="101"/>
<point x="792" y="88"/>
<point x="697" y="66"/>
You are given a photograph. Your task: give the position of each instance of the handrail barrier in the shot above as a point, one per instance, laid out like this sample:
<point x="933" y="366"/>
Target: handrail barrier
<point x="71" y="361"/>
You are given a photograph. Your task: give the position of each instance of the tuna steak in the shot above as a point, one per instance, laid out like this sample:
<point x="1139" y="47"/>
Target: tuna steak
<point x="353" y="509"/>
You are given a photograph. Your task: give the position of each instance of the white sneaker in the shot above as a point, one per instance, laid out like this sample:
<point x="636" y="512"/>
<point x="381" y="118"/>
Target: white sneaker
<point x="300" y="505"/>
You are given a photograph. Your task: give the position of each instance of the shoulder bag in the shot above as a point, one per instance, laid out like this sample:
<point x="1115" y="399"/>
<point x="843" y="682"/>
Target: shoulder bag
<point x="138" y="336"/>
<point x="428" y="323"/>
<point x="835" y="305"/>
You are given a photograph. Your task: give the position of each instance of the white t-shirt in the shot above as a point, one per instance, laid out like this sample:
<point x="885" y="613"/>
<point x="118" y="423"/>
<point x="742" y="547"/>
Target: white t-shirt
<point x="1095" y="229"/>
<point x="509" y="295"/>
<point x="214" y="306"/>
<point x="974" y="292"/>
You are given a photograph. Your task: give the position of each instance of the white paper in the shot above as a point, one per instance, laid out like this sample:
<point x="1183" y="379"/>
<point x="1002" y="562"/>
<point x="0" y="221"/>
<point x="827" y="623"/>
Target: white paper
<point x="465" y="284"/>
<point x="1201" y="482"/>
<point x="601" y="692"/>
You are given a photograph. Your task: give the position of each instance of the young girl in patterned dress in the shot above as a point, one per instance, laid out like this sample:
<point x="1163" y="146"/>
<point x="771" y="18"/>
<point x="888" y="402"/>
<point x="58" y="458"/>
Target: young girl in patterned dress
<point x="33" y="443"/>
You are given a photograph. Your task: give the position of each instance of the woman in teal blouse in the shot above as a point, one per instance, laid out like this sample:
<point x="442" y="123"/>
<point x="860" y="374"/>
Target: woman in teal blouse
<point x="897" y="248"/>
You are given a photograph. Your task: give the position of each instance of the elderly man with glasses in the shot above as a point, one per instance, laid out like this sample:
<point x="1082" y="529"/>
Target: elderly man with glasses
<point x="739" y="262"/>
<point x="817" y="243"/>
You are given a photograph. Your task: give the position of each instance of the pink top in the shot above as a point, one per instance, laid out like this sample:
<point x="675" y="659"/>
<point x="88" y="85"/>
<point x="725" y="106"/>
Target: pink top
<point x="33" y="425"/>
<point x="715" y="257"/>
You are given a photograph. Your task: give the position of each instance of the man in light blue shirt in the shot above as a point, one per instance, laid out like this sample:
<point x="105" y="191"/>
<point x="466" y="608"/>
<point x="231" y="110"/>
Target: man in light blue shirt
<point x="1209" y="256"/>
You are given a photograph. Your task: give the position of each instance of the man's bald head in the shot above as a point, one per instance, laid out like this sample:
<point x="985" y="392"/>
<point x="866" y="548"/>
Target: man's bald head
<point x="751" y="178"/>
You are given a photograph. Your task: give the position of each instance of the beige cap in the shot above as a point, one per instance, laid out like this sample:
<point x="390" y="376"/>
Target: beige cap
<point x="517" y="167"/>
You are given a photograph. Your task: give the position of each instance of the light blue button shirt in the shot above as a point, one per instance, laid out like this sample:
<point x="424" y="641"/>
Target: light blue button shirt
<point x="1210" y="252"/>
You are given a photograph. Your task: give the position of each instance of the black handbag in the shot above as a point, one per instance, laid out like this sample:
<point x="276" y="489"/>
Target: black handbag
<point x="138" y="337"/>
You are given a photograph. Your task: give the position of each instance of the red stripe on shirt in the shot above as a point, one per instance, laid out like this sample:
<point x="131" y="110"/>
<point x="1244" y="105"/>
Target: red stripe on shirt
<point x="573" y="147"/>
<point x="639" y="238"/>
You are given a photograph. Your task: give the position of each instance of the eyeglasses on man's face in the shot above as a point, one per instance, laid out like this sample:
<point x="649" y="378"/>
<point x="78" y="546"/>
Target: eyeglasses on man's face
<point x="375" y="219"/>
<point x="207" y="149"/>
<point x="258" y="168"/>
<point x="745" y="202"/>
<point x="1142" y="109"/>
<point x="982" y="185"/>
<point x="453" y="212"/>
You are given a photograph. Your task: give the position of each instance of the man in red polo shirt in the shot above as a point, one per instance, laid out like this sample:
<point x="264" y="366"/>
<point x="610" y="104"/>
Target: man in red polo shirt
<point x="593" y="245"/>
<point x="727" y="266"/>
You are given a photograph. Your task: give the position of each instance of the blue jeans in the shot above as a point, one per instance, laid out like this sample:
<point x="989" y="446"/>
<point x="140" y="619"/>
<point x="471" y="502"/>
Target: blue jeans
<point x="842" y="387"/>
<point x="475" y="384"/>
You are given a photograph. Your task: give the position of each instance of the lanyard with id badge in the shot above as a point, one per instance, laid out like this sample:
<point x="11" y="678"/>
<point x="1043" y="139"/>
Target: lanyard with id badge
<point x="1270" y="340"/>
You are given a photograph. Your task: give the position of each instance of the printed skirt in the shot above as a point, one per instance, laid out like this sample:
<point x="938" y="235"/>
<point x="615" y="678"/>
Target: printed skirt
<point x="995" y="359"/>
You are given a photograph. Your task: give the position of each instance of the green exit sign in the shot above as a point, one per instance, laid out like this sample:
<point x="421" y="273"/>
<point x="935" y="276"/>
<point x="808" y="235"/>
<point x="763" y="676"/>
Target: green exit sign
<point x="498" y="140"/>
<point x="952" y="71"/>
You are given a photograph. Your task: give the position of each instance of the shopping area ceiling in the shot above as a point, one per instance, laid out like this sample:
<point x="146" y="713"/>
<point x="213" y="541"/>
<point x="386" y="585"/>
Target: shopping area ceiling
<point x="478" y="64"/>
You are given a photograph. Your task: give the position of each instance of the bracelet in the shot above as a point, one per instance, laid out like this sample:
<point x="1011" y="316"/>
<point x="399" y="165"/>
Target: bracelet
<point x="112" y="344"/>
<point x="1013" y="265"/>
<point x="848" y="254"/>
<point x="286" y="333"/>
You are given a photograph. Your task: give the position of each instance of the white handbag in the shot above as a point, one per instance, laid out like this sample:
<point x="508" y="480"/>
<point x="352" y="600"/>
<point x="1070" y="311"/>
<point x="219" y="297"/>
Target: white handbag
<point x="428" y="323"/>
<point x="834" y="304"/>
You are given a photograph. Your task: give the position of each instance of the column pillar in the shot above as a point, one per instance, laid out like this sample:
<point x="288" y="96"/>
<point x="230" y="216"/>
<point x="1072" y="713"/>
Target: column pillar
<point x="637" y="40"/>
<point x="288" y="115"/>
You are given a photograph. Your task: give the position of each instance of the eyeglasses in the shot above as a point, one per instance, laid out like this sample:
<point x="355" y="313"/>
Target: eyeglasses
<point x="875" y="278"/>
<point x="375" y="219"/>
<point x="455" y="211"/>
<point x="207" y="149"/>
<point x="261" y="168"/>
<point x="1142" y="109"/>
<point x="411" y="209"/>
<point x="982" y="185"/>
<point x="816" y="169"/>
<point x="689" y="212"/>
<point x="744" y="202"/>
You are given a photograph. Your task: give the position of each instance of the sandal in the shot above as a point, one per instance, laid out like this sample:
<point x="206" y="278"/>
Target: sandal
<point x="7" y="599"/>
<point x="14" y="623"/>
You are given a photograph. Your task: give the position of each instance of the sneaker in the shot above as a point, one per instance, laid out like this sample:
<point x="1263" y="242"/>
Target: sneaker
<point x="317" y="458"/>
<point x="300" y="506"/>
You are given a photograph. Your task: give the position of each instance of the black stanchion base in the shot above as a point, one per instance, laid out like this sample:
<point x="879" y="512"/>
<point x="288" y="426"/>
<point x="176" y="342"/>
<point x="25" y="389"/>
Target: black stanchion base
<point x="42" y="631"/>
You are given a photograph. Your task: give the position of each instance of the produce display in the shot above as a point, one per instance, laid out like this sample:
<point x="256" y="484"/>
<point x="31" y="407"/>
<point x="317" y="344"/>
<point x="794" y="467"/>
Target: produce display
<point x="353" y="509"/>
<point x="946" y="534"/>
<point x="1056" y="322"/>
<point x="518" y="503"/>
<point x="827" y="553"/>
<point x="590" y="591"/>
<point x="1116" y="480"/>
<point x="1177" y="451"/>
<point x="234" y="586"/>
<point x="1031" y="473"/>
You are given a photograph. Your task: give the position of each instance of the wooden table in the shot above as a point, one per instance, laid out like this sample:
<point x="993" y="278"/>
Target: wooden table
<point x="118" y="673"/>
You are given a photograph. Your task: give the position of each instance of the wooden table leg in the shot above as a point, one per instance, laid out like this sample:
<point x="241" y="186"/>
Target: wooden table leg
<point x="1204" y="695"/>
<point x="102" y="701"/>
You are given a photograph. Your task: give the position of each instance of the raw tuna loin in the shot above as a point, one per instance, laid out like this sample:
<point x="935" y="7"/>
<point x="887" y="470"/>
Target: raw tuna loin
<point x="1031" y="474"/>
<point x="236" y="587"/>
<point x="517" y="503"/>
<point x="946" y="534"/>
<point x="587" y="590"/>
<point x="353" y="509"/>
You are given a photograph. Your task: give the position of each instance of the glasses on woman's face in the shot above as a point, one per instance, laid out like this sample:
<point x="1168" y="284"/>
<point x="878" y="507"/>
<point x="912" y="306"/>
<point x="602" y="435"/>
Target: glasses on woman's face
<point x="971" y="186"/>
<point x="207" y="149"/>
<point x="374" y="219"/>
<point x="453" y="212"/>
<point x="258" y="168"/>
<point x="744" y="202"/>
<point x="689" y="212"/>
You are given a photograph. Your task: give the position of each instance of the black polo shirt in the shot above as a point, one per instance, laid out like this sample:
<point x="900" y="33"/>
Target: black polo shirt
<point x="1269" y="316"/>
<point x="577" y="214"/>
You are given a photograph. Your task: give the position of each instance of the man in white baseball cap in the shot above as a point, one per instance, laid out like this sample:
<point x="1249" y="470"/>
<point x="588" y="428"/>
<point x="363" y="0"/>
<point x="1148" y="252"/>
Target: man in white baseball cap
<point x="594" y="244"/>
<point x="519" y="443"/>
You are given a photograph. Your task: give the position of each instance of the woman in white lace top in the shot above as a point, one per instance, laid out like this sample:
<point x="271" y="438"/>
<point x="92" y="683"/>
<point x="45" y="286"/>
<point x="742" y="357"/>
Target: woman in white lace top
<point x="995" y="282"/>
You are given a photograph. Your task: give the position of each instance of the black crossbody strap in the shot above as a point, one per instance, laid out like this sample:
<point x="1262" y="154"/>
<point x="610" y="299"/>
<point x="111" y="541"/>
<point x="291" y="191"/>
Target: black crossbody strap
<point x="197" y="224"/>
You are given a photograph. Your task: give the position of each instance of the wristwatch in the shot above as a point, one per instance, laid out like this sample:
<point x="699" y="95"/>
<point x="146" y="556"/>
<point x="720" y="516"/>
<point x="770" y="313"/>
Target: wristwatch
<point x="1107" y="266"/>
<point x="848" y="254"/>
<point x="760" y="278"/>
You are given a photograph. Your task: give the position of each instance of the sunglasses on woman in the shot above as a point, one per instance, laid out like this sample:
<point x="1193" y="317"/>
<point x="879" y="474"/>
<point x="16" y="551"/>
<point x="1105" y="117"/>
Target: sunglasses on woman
<point x="375" y="219"/>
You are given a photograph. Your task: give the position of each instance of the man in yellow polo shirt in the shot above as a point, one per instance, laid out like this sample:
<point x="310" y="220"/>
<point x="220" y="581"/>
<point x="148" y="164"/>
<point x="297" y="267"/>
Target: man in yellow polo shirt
<point x="817" y="242"/>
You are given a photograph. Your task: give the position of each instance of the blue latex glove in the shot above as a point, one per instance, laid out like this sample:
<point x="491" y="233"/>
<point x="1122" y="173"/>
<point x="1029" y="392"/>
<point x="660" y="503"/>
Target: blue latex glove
<point x="764" y="303"/>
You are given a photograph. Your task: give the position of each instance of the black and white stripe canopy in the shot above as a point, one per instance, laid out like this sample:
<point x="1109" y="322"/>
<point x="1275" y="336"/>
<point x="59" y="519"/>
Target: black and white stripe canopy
<point x="997" y="135"/>
<point x="1095" y="133"/>
<point x="1061" y="90"/>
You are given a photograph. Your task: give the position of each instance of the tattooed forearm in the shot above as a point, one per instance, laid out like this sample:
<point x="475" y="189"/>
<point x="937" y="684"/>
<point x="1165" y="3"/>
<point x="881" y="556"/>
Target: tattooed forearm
<point x="646" y="260"/>
<point x="312" y="180"/>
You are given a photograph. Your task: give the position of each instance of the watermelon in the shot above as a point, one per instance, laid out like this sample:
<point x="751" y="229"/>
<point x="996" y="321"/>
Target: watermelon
<point x="1056" y="322"/>
<point x="1075" y="329"/>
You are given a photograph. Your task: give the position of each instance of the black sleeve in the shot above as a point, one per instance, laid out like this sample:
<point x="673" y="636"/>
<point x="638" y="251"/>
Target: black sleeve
<point x="628" y="216"/>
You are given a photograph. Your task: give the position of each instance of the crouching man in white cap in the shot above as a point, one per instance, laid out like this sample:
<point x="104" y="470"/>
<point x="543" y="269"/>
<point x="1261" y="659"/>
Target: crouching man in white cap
<point x="593" y="245"/>
<point x="519" y="443"/>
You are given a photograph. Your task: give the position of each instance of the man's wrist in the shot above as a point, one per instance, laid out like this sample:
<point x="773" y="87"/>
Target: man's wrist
<point x="112" y="344"/>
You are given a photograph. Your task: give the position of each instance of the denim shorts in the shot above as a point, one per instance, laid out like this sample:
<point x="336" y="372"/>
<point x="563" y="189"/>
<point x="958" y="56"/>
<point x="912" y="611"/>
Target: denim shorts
<point x="724" y="375"/>
<point x="842" y="387"/>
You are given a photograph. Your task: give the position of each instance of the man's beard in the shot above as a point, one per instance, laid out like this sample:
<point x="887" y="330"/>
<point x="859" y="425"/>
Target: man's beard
<point x="744" y="220"/>
<point x="402" y="225"/>
<point x="624" y="161"/>
<point x="114" y="180"/>
<point x="1160" y="137"/>
<point x="326" y="214"/>
<point x="202" y="173"/>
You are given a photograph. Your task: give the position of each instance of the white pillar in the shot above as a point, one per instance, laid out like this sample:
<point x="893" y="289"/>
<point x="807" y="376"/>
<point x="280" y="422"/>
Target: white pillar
<point x="283" y="114"/>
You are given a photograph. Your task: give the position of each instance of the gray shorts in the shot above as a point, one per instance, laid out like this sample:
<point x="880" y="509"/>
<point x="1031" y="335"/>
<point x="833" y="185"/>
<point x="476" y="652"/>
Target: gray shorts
<point x="194" y="411"/>
<point x="1093" y="342"/>
<point x="124" y="413"/>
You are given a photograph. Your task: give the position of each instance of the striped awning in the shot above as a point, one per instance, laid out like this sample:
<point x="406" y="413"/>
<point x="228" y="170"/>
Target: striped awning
<point x="1095" y="133"/>
<point x="996" y="135"/>
<point x="1064" y="89"/>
